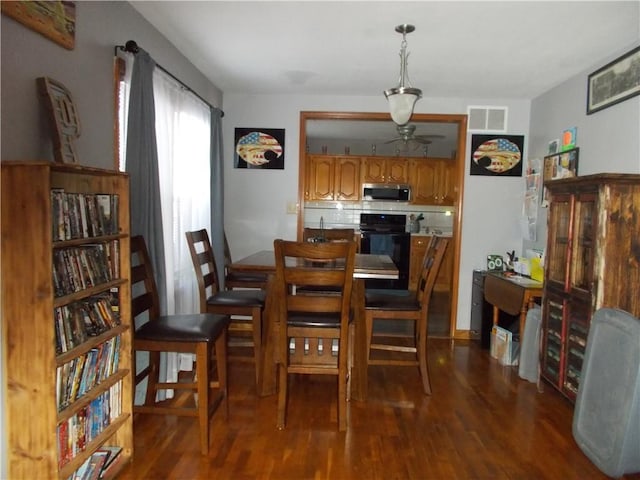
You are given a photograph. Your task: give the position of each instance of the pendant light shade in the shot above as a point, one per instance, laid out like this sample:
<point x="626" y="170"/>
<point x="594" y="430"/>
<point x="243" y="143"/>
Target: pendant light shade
<point x="403" y="98"/>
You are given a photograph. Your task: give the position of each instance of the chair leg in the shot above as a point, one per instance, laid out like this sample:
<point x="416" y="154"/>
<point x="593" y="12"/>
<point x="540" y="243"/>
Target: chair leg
<point x="283" y="377"/>
<point x="153" y="378"/>
<point x="203" y="356"/>
<point x="368" y="322"/>
<point x="351" y="349"/>
<point x="256" y="320"/>
<point x="342" y="387"/>
<point x="421" y="345"/>
<point x="221" y="367"/>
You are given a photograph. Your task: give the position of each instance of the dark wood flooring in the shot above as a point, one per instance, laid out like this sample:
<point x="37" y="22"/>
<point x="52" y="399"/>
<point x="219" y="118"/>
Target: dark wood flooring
<point x="481" y="422"/>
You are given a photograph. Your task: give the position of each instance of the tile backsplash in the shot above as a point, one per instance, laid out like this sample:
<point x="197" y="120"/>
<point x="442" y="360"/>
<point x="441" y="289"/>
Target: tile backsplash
<point x="347" y="215"/>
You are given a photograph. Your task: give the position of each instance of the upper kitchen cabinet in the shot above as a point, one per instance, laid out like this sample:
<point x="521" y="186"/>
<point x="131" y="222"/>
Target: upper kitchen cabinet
<point x="432" y="181"/>
<point x="385" y="170"/>
<point x="332" y="178"/>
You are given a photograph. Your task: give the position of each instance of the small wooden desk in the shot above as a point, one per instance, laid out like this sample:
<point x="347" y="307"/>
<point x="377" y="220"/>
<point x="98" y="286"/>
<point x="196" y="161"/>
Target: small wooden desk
<point x="514" y="295"/>
<point x="366" y="266"/>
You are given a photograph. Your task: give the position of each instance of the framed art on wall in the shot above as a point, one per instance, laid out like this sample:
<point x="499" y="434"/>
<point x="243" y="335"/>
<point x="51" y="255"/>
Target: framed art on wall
<point x="498" y="155"/>
<point x="615" y="82"/>
<point x="56" y="20"/>
<point x="560" y="165"/>
<point x="259" y="148"/>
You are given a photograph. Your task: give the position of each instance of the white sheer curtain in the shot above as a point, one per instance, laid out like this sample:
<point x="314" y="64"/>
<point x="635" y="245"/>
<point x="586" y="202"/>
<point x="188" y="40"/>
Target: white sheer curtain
<point x="183" y="136"/>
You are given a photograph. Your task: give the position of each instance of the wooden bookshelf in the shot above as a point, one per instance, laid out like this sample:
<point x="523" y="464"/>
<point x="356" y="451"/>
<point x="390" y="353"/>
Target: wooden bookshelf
<point x="31" y="354"/>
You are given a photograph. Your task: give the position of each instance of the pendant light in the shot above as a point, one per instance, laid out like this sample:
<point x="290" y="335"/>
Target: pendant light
<point x="403" y="98"/>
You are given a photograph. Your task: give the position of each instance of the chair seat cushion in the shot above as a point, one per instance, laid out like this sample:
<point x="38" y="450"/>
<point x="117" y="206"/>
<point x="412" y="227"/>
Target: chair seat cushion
<point x="375" y="300"/>
<point x="246" y="277"/>
<point x="197" y="327"/>
<point x="238" y="298"/>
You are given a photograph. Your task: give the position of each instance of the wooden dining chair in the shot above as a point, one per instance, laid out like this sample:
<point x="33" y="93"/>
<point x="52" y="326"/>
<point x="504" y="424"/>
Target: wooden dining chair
<point x="413" y="306"/>
<point x="202" y="334"/>
<point x="312" y="324"/>
<point x="234" y="279"/>
<point x="245" y="307"/>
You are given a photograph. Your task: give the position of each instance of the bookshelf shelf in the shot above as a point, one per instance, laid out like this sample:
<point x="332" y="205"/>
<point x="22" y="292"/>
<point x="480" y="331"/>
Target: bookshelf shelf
<point x="38" y="316"/>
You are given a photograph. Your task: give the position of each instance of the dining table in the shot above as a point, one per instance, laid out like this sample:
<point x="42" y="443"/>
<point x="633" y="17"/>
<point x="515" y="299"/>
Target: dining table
<point x="367" y="266"/>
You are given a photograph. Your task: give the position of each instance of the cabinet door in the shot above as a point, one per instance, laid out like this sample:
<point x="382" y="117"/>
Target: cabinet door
<point x="321" y="177"/>
<point x="443" y="280"/>
<point x="446" y="183"/>
<point x="578" y="317"/>
<point x="424" y="189"/>
<point x="373" y="170"/>
<point x="581" y="280"/>
<point x="397" y="170"/>
<point x="552" y="355"/>
<point x="385" y="170"/>
<point x="557" y="268"/>
<point x="347" y="178"/>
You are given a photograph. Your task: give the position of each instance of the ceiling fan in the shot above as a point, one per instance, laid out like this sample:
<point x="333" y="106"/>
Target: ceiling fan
<point x="406" y="136"/>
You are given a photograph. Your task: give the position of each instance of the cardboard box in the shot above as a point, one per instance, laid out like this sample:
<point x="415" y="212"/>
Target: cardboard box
<point x="503" y="347"/>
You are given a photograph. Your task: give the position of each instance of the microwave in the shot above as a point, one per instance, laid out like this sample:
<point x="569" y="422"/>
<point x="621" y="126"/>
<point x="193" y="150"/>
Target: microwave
<point x="386" y="192"/>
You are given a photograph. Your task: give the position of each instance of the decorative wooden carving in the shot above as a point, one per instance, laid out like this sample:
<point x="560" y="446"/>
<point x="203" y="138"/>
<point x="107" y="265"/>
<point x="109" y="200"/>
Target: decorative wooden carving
<point x="63" y="118"/>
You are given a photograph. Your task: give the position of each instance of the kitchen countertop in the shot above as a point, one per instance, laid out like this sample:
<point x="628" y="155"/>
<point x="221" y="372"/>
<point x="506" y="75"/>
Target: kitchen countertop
<point x="441" y="233"/>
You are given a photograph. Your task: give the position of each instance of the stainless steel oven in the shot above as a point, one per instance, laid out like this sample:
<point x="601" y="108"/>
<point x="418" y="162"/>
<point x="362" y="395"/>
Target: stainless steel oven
<point x="385" y="234"/>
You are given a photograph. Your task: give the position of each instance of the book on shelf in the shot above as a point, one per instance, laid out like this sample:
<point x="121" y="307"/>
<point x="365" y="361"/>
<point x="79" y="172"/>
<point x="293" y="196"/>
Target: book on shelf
<point x="83" y="215"/>
<point x="113" y="459"/>
<point x="79" y="430"/>
<point x="78" y="376"/>
<point x="76" y="322"/>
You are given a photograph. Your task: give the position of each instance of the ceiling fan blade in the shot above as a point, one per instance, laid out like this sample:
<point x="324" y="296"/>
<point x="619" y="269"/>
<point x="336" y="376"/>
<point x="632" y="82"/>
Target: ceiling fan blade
<point x="394" y="140"/>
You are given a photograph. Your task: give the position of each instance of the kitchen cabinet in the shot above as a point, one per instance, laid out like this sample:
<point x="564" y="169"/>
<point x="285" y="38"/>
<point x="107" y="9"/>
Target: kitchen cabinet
<point x="432" y="181"/>
<point x="419" y="245"/>
<point x="385" y="170"/>
<point x="332" y="177"/>
<point x="592" y="261"/>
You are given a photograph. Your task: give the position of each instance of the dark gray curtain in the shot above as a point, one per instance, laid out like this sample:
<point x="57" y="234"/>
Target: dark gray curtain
<point x="142" y="166"/>
<point x="217" y="192"/>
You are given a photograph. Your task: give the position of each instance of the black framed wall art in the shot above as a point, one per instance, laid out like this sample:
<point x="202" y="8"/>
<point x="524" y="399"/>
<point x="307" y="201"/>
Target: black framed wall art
<point x="497" y="155"/>
<point x="559" y="165"/>
<point x="616" y="82"/>
<point x="261" y="148"/>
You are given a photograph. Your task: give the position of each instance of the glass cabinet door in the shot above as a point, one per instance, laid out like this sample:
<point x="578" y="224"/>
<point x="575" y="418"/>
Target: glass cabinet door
<point x="584" y="242"/>
<point x="559" y="236"/>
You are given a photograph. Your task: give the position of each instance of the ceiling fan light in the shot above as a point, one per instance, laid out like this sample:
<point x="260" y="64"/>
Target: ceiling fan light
<point x="401" y="103"/>
<point x="403" y="98"/>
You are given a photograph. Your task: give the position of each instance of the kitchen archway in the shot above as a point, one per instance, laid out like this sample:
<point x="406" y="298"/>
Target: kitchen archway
<point x="334" y="128"/>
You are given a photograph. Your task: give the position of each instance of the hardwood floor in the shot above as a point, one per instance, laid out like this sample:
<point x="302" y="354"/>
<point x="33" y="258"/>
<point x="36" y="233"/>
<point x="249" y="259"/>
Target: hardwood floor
<point x="482" y="422"/>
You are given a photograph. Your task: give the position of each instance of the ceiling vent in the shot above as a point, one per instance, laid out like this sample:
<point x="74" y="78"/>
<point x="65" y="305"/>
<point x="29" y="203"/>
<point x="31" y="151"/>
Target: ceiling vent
<point x="487" y="119"/>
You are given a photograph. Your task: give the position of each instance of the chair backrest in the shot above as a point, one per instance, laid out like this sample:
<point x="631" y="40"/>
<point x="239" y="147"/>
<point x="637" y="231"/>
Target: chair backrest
<point x="204" y="264"/>
<point x="323" y="266"/>
<point x="144" y="291"/>
<point x="227" y="254"/>
<point x="430" y="268"/>
<point x="328" y="234"/>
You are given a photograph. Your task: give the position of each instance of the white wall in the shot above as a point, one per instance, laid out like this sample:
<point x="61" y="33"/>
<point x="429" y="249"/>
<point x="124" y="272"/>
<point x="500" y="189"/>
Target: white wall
<point x="609" y="140"/>
<point x="256" y="200"/>
<point x="87" y="71"/>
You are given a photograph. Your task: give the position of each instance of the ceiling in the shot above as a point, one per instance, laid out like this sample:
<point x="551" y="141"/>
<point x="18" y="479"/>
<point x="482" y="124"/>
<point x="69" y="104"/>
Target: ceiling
<point x="474" y="49"/>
